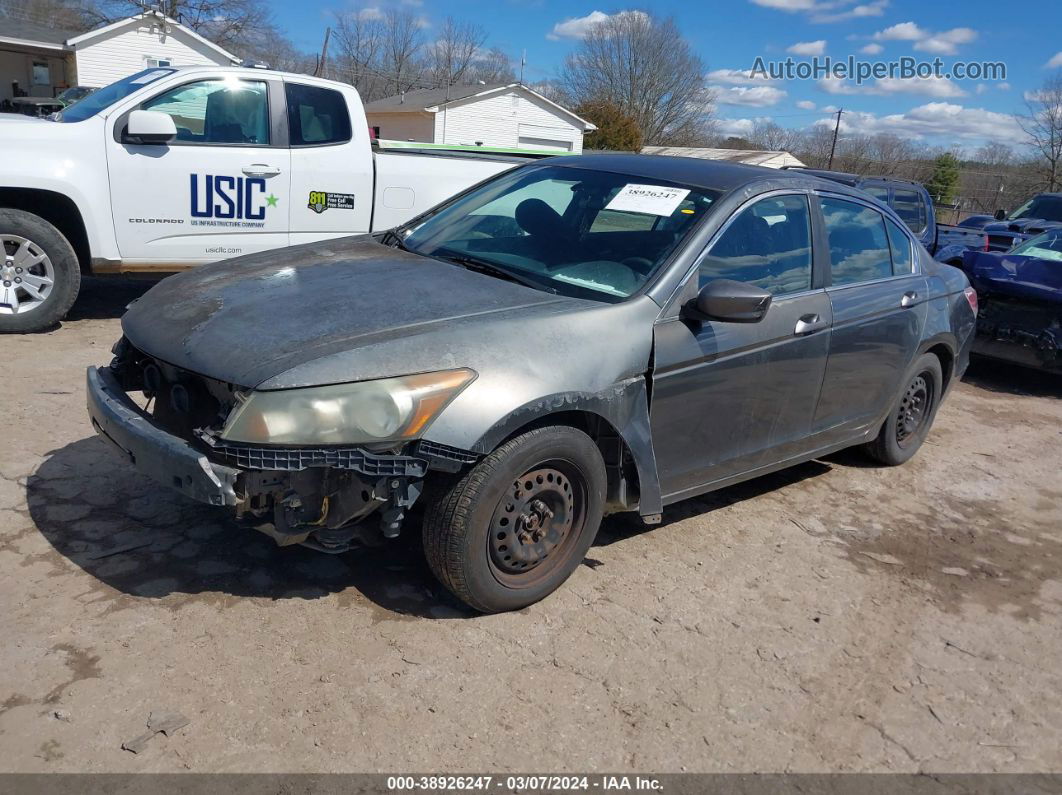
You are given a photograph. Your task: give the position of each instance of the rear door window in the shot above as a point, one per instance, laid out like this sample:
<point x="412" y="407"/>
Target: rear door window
<point x="910" y="205"/>
<point x="859" y="246"/>
<point x="902" y="261"/>
<point x="316" y="116"/>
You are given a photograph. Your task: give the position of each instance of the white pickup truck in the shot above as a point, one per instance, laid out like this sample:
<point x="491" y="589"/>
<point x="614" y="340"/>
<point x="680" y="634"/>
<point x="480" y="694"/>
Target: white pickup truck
<point x="174" y="167"/>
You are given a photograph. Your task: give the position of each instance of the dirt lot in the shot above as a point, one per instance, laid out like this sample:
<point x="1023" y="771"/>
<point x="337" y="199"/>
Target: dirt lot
<point x="834" y="617"/>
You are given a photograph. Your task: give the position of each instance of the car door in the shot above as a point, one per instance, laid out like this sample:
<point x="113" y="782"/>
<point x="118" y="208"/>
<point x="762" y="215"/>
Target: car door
<point x="878" y="299"/>
<point x="728" y="398"/>
<point x="331" y="165"/>
<point x="218" y="190"/>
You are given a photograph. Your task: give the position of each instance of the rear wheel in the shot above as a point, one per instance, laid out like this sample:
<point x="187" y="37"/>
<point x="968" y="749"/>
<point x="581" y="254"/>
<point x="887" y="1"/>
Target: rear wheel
<point x="511" y="530"/>
<point x="39" y="273"/>
<point x="912" y="415"/>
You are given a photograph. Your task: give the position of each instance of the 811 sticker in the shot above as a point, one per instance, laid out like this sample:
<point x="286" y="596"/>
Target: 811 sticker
<point x="322" y="200"/>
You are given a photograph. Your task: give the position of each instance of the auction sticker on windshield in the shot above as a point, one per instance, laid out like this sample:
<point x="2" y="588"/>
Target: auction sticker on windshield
<point x="649" y="199"/>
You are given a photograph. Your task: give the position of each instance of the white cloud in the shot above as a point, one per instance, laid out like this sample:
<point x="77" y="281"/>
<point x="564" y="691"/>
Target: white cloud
<point x="872" y="49"/>
<point x="981" y="88"/>
<point x="578" y="27"/>
<point x="935" y="120"/>
<point x="735" y="77"/>
<point x="788" y="5"/>
<point x="873" y="9"/>
<point x="735" y="127"/>
<point x="753" y="96"/>
<point x="904" y="31"/>
<point x="830" y="109"/>
<point x="1003" y="86"/>
<point x="1056" y="60"/>
<point x="806" y="104"/>
<point x="946" y="42"/>
<point x="370" y="13"/>
<point x="808" y="47"/>
<point x="928" y="86"/>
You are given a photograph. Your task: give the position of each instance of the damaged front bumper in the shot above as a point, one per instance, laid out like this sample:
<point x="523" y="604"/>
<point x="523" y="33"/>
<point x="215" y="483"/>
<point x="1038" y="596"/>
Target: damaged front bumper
<point x="163" y="457"/>
<point x="326" y="498"/>
<point x="1022" y="332"/>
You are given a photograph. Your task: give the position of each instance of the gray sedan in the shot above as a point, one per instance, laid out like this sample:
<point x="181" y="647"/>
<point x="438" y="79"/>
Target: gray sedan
<point x="576" y="337"/>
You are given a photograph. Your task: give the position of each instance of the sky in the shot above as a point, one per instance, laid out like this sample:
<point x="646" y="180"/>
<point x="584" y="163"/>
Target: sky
<point x="729" y="35"/>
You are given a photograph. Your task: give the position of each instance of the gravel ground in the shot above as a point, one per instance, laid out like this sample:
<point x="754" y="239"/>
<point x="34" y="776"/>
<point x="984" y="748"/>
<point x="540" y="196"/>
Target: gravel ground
<point x="834" y="617"/>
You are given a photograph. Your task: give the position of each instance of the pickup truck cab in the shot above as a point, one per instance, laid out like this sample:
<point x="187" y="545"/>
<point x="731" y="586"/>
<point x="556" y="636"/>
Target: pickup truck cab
<point x="912" y="202"/>
<point x="174" y="167"/>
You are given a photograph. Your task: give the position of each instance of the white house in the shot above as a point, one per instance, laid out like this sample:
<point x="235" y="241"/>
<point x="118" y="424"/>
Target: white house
<point x="41" y="61"/>
<point x="504" y="115"/>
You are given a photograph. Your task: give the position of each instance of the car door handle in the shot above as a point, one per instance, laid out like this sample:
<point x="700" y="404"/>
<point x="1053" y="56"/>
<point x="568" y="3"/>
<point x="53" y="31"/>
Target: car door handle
<point x="809" y="324"/>
<point x="908" y="300"/>
<point x="260" y="170"/>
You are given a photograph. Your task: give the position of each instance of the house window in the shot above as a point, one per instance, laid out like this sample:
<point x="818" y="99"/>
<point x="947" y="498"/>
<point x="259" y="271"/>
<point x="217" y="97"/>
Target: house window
<point x="153" y="62"/>
<point x="41" y="74"/>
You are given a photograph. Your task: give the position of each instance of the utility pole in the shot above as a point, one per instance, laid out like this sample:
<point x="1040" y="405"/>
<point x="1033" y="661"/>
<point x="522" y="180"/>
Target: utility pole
<point x="836" y="129"/>
<point x="523" y="63"/>
<point x="320" y="70"/>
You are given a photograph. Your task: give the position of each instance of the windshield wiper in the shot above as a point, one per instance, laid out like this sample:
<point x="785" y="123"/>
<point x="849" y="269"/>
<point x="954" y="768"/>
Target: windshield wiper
<point x="394" y="240"/>
<point x="490" y="269"/>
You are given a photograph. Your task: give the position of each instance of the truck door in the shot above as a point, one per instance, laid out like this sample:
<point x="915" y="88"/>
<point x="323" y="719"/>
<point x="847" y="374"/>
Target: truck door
<point x="220" y="189"/>
<point x="331" y="163"/>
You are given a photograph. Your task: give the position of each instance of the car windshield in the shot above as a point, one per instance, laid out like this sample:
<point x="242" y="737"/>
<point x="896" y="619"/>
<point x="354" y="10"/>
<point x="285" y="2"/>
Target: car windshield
<point x="107" y="96"/>
<point x="572" y="231"/>
<point x="1046" y="207"/>
<point x="1045" y="246"/>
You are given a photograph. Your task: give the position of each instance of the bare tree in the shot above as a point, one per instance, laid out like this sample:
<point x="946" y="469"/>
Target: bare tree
<point x="1042" y="124"/>
<point x="359" y="43"/>
<point x="401" y="51"/>
<point x="492" y="66"/>
<point x="772" y="137"/>
<point x="228" y="23"/>
<point x="643" y="65"/>
<point x="65" y="14"/>
<point x="454" y="52"/>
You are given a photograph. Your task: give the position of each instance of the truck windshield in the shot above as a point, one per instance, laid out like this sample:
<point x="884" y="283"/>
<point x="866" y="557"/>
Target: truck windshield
<point x="105" y="97"/>
<point x="1044" y="206"/>
<point x="577" y="232"/>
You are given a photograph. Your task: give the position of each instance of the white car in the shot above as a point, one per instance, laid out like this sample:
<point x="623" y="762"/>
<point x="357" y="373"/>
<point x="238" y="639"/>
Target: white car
<point x="175" y="167"/>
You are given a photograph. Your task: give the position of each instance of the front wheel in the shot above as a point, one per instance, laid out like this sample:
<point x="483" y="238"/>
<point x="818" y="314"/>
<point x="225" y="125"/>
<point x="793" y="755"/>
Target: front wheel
<point x="912" y="415"/>
<point x="512" y="529"/>
<point x="39" y="273"/>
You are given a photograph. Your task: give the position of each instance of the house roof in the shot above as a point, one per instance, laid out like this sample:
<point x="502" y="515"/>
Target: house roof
<point x="19" y="31"/>
<point x="34" y="34"/>
<point x="430" y="100"/>
<point x="752" y="157"/>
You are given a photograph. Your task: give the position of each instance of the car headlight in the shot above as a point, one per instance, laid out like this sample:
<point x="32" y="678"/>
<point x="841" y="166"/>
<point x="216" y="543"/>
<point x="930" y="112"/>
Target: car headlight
<point x="389" y="409"/>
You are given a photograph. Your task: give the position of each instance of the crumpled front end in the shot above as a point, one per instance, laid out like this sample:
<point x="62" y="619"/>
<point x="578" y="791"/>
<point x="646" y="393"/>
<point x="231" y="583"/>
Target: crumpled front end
<point x="168" y="422"/>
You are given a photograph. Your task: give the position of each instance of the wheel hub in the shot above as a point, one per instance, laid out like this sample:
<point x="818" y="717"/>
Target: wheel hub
<point x="26" y="276"/>
<point x="533" y="518"/>
<point x="912" y="412"/>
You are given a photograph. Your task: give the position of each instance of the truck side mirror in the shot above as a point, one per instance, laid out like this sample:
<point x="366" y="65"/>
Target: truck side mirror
<point x="729" y="301"/>
<point x="149" y="127"/>
<point x="1000" y="215"/>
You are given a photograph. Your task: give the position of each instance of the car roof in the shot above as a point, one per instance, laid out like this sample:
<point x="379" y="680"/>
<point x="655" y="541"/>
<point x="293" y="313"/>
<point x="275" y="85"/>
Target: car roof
<point x="854" y="180"/>
<point x="716" y="175"/>
<point x="256" y="70"/>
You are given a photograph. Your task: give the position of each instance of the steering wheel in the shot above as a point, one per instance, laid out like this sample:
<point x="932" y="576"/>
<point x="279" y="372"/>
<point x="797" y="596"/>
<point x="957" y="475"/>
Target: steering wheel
<point x="640" y="265"/>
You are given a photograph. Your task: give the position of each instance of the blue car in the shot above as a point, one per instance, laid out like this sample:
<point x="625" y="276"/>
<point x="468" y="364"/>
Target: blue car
<point x="1020" y="298"/>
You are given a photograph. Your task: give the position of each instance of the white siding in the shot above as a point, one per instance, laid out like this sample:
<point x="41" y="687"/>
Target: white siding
<point x="102" y="60"/>
<point x="403" y="126"/>
<point x="502" y="119"/>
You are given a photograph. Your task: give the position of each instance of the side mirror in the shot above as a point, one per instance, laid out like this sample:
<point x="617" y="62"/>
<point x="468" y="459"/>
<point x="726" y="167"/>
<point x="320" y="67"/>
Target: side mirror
<point x="149" y="127"/>
<point x="1000" y="215"/>
<point x="730" y="301"/>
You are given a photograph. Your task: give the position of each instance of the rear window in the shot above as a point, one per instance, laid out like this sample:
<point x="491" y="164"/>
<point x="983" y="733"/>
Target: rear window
<point x="316" y="116"/>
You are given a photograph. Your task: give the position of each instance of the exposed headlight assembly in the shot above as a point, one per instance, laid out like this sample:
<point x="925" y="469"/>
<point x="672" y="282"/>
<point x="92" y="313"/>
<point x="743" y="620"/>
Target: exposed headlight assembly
<point x="390" y="409"/>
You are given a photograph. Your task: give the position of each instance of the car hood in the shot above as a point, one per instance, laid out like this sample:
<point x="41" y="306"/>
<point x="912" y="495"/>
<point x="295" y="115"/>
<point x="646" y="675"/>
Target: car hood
<point x="1024" y="226"/>
<point x="329" y="312"/>
<point x="1016" y="275"/>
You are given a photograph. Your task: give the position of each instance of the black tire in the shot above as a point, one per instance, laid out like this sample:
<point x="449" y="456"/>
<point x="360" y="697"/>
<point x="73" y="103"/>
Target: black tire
<point x="911" y="415"/>
<point x="470" y="523"/>
<point x="66" y="278"/>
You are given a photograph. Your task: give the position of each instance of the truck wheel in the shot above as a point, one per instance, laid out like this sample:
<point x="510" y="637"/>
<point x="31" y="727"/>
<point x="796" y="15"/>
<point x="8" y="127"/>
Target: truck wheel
<point x="513" y="528"/>
<point x="912" y="415"/>
<point x="39" y="273"/>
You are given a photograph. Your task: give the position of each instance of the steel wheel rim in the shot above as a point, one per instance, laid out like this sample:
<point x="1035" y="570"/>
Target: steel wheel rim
<point x="914" y="409"/>
<point x="537" y="522"/>
<point x="27" y="276"/>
